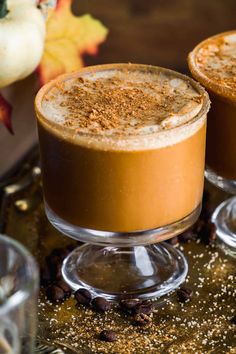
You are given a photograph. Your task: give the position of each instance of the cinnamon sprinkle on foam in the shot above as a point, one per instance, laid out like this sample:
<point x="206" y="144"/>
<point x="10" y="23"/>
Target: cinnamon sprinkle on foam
<point x="123" y="102"/>
<point x="216" y="58"/>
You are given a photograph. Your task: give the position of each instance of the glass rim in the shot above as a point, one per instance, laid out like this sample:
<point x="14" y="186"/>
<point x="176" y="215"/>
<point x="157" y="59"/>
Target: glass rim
<point x="208" y="82"/>
<point x="96" y="68"/>
<point x="26" y="288"/>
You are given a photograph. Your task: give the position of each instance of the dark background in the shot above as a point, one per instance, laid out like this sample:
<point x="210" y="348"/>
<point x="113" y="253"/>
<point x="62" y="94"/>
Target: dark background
<point x="158" y="32"/>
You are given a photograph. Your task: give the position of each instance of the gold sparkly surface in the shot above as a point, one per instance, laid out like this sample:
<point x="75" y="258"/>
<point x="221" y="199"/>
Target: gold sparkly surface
<point x="202" y="325"/>
<point x="199" y="326"/>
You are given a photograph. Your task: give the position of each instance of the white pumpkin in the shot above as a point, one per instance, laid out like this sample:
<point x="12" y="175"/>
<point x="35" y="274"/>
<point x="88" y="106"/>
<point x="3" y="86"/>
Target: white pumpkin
<point x="22" y="34"/>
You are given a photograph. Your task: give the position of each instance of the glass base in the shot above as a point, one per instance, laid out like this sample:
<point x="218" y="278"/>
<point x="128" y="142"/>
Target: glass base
<point x="133" y="264"/>
<point x="224" y="217"/>
<point x="227" y="185"/>
<point x="120" y="239"/>
<point x="117" y="273"/>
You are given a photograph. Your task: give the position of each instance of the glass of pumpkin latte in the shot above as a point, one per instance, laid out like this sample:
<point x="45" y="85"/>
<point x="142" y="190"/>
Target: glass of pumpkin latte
<point x="122" y="152"/>
<point x="213" y="64"/>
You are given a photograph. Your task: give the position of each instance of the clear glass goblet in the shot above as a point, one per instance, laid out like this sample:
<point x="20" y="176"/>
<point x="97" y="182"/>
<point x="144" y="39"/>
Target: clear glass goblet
<point x="221" y="140"/>
<point x="18" y="298"/>
<point x="130" y="264"/>
<point x="121" y="202"/>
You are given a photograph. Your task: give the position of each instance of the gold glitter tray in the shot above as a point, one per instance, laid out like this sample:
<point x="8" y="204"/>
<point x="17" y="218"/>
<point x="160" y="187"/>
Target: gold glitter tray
<point x="200" y="326"/>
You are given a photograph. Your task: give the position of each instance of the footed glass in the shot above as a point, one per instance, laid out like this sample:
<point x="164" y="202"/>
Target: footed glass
<point x="117" y="265"/>
<point x="123" y="195"/>
<point x="18" y="298"/>
<point x="219" y="81"/>
<point x="224" y="216"/>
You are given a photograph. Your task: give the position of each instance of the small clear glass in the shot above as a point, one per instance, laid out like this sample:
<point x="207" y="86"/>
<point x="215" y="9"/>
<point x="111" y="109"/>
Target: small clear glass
<point x="221" y="145"/>
<point x="18" y="298"/>
<point x="86" y="190"/>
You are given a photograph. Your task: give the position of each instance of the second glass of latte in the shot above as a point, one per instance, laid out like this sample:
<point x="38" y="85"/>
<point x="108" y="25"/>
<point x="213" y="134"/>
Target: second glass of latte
<point x="213" y="64"/>
<point x="122" y="151"/>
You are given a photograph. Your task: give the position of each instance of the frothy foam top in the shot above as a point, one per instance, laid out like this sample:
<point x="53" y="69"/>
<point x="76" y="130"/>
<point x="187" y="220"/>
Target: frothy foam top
<point x="216" y="58"/>
<point x="123" y="103"/>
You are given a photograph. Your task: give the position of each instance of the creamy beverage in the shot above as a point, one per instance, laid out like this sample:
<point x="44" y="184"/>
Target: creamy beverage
<point x="122" y="146"/>
<point x="213" y="64"/>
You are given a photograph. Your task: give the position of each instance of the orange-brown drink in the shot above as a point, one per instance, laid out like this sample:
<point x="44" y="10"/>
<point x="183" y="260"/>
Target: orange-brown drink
<point x="122" y="151"/>
<point x="122" y="146"/>
<point x="213" y="64"/>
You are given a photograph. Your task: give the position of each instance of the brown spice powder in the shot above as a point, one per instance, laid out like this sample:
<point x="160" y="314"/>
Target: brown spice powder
<point x="218" y="62"/>
<point x="107" y="104"/>
<point x="103" y="105"/>
<point x="123" y="103"/>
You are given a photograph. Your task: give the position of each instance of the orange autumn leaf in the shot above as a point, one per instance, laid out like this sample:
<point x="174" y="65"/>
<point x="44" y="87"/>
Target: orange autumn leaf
<point x="5" y="113"/>
<point x="68" y="38"/>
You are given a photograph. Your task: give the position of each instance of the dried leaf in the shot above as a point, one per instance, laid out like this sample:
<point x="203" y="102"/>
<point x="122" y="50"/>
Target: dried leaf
<point x="68" y="38"/>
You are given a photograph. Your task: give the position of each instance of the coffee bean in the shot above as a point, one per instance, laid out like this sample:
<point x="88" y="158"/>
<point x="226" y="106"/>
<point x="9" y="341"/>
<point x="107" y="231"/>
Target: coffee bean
<point x="208" y="233"/>
<point x="64" y="286"/>
<point x="83" y="296"/>
<point x="71" y="247"/>
<point x="233" y="320"/>
<point x="56" y="272"/>
<point x="45" y="276"/>
<point x="198" y="226"/>
<point x="141" y="319"/>
<point x="101" y="304"/>
<point x="53" y="259"/>
<point x="187" y="236"/>
<point x="212" y="232"/>
<point x="128" y="305"/>
<point x="54" y="293"/>
<point x="173" y="241"/>
<point x="206" y="196"/>
<point x="145" y="307"/>
<point x="184" y="294"/>
<point x="207" y="210"/>
<point x="62" y="253"/>
<point x="54" y="264"/>
<point x="108" y="336"/>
